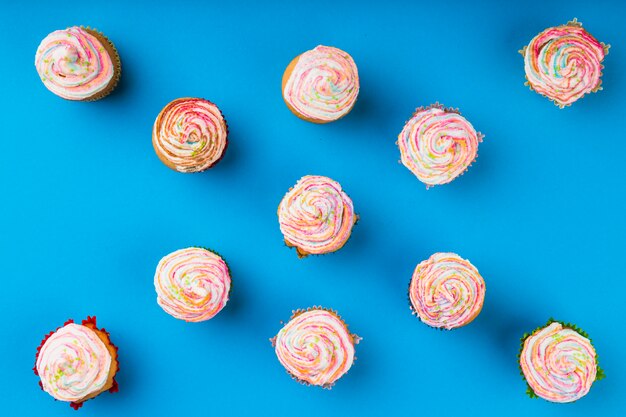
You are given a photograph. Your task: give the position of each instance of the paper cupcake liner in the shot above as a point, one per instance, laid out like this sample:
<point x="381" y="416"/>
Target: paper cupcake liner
<point x="605" y="46"/>
<point x="226" y="141"/>
<point x="115" y="56"/>
<point x="529" y="391"/>
<point x="355" y="341"/>
<point x="90" y="322"/>
<point x="440" y="106"/>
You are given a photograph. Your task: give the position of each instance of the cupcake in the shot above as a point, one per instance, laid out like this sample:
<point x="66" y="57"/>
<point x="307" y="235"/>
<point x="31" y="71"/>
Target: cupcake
<point x="558" y="362"/>
<point x="321" y="85"/>
<point x="77" y="362"/>
<point x="78" y="64"/>
<point x="190" y="135"/>
<point x="564" y="63"/>
<point x="316" y="216"/>
<point x="438" y="144"/>
<point x="192" y="284"/>
<point x="446" y="291"/>
<point x="315" y="347"/>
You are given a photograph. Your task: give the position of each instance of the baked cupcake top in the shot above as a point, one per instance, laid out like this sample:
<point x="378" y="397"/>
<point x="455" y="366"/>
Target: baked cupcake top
<point x="315" y="347"/>
<point x="190" y="135"/>
<point x="316" y="216"/>
<point x="564" y="63"/>
<point x="192" y="284"/>
<point x="323" y="85"/>
<point x="74" y="64"/>
<point x="559" y="363"/>
<point x="73" y="363"/>
<point x="438" y="144"/>
<point x="446" y="291"/>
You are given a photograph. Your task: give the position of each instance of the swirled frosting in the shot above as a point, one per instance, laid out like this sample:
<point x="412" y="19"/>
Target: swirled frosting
<point x="438" y="144"/>
<point x="315" y="347"/>
<point x="323" y="84"/>
<point x="190" y="135"/>
<point x="73" y="363"/>
<point x="192" y="284"/>
<point x="558" y="363"/>
<point x="446" y="291"/>
<point x="564" y="63"/>
<point x="74" y="64"/>
<point x="316" y="216"/>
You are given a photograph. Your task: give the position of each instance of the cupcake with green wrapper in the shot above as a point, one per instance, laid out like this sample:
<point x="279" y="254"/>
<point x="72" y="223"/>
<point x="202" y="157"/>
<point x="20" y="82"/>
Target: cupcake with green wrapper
<point x="558" y="362"/>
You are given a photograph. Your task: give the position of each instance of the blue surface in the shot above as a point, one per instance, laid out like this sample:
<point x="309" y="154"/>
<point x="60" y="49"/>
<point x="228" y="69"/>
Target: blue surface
<point x="88" y="209"/>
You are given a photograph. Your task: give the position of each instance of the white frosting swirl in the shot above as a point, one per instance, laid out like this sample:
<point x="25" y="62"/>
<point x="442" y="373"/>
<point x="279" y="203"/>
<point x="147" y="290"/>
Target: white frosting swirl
<point x="73" y="363"/>
<point x="323" y="85"/>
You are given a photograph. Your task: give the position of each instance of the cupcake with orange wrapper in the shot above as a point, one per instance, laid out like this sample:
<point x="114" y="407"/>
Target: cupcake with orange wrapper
<point x="192" y="284"/>
<point x="438" y="144"/>
<point x="78" y="63"/>
<point x="315" y="347"/>
<point x="559" y="362"/>
<point x="446" y="291"/>
<point x="316" y="216"/>
<point x="190" y="135"/>
<point x="77" y="362"/>
<point x="564" y="63"/>
<point x="321" y="85"/>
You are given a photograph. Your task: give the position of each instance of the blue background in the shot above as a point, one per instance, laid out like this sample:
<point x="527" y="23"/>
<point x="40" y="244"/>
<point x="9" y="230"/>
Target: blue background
<point x="88" y="209"/>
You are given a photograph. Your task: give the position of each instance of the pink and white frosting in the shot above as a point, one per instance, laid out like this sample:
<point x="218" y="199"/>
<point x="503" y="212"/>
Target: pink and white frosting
<point x="192" y="284"/>
<point x="316" y="215"/>
<point x="315" y="347"/>
<point x="190" y="134"/>
<point x="558" y="363"/>
<point x="73" y="64"/>
<point x="446" y="291"/>
<point x="323" y="85"/>
<point x="564" y="63"/>
<point x="73" y="363"/>
<point x="438" y="144"/>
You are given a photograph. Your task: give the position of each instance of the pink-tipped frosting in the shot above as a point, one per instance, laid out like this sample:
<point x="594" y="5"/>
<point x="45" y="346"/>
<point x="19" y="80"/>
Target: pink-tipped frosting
<point x="192" y="284"/>
<point x="324" y="84"/>
<point x="564" y="63"/>
<point x="438" y="144"/>
<point x="446" y="291"/>
<point x="316" y="215"/>
<point x="558" y="363"/>
<point x="73" y="64"/>
<point x="315" y="347"/>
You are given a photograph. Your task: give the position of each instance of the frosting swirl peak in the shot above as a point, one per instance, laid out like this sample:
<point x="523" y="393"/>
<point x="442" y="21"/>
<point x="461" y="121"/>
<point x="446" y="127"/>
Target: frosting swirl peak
<point x="438" y="144"/>
<point x="192" y="284"/>
<point x="446" y="291"/>
<point x="315" y="347"/>
<point x="559" y="363"/>
<point x="316" y="216"/>
<point x="190" y="135"/>
<point x="322" y="84"/>
<point x="564" y="63"/>
<point x="73" y="363"/>
<point x="74" y="64"/>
